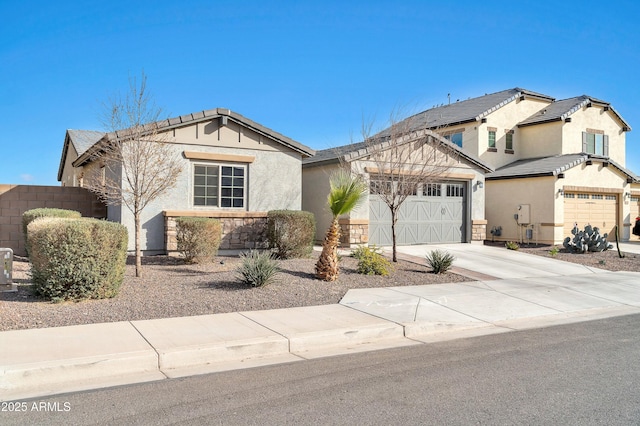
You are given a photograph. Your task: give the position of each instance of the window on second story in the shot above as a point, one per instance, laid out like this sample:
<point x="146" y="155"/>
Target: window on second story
<point x="595" y="143"/>
<point x="492" y="139"/>
<point x="455" y="138"/>
<point x="509" y="141"/>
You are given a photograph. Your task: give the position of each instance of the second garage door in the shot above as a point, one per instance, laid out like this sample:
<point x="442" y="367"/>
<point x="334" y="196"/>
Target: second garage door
<point x="595" y="209"/>
<point x="435" y="214"/>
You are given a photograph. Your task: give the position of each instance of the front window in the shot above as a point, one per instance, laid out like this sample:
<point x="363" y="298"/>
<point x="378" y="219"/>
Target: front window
<point x="456" y="138"/>
<point x="219" y="185"/>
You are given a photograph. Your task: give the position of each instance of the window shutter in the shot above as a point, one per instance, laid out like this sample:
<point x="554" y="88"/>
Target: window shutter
<point x="605" y="143"/>
<point x="584" y="141"/>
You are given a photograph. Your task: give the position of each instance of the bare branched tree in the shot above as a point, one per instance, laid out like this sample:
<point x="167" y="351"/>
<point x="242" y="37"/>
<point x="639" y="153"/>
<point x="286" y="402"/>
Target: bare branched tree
<point x="134" y="164"/>
<point x="402" y="160"/>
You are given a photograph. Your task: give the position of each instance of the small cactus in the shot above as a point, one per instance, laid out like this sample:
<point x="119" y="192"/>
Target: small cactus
<point x="588" y="240"/>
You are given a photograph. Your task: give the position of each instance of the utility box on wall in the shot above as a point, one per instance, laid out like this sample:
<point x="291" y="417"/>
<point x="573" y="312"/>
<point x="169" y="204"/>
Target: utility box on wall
<point x="524" y="214"/>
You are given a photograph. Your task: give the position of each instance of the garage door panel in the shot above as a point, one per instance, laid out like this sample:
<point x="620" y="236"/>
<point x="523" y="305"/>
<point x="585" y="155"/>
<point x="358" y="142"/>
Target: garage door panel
<point x="421" y="219"/>
<point x="595" y="209"/>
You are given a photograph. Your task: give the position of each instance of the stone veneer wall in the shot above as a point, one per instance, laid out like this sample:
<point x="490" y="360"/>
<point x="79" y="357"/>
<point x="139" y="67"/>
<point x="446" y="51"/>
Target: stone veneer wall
<point x="240" y="230"/>
<point x="16" y="199"/>
<point x="478" y="230"/>
<point x="353" y="232"/>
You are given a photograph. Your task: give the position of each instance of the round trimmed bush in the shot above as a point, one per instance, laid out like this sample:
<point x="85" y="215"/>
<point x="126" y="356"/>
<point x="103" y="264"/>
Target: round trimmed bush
<point x="198" y="238"/>
<point x="291" y="233"/>
<point x="74" y="259"/>
<point x="33" y="214"/>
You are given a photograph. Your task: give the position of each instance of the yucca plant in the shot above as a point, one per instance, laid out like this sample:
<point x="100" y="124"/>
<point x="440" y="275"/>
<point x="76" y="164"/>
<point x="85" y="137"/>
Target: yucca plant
<point x="346" y="193"/>
<point x="440" y="261"/>
<point x="257" y="268"/>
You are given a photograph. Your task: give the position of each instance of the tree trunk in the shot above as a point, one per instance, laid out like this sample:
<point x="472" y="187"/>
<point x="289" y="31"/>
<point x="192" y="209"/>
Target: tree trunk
<point x="138" y="252"/>
<point x="394" y="256"/>
<point x="327" y="266"/>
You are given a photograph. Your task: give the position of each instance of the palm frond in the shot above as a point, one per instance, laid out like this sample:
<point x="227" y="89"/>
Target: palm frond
<point x="347" y="192"/>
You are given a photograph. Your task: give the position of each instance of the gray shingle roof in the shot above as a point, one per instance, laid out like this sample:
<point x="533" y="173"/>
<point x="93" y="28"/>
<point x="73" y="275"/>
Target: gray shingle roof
<point x="355" y="151"/>
<point x="82" y="140"/>
<point x="466" y="111"/>
<point x="562" y="109"/>
<point x="200" y="116"/>
<point x="550" y="166"/>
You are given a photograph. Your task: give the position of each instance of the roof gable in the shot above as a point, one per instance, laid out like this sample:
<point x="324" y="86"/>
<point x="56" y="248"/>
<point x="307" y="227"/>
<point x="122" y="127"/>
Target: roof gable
<point x="563" y="109"/>
<point x="356" y="151"/>
<point x="222" y="114"/>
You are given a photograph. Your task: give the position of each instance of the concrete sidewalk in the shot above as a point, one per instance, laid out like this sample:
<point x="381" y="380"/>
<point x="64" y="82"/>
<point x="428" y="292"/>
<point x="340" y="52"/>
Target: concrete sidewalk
<point x="49" y="361"/>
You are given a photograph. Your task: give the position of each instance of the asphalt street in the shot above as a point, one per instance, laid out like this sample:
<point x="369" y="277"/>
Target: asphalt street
<point x="576" y="374"/>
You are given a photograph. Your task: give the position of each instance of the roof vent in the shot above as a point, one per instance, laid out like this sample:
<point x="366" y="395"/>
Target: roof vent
<point x="544" y="111"/>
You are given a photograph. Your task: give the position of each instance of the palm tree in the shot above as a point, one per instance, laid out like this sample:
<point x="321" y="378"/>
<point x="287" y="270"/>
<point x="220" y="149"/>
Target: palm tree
<point x="347" y="192"/>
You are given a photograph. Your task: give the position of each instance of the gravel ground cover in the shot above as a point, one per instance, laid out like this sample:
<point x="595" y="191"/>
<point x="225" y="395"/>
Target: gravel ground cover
<point x="170" y="288"/>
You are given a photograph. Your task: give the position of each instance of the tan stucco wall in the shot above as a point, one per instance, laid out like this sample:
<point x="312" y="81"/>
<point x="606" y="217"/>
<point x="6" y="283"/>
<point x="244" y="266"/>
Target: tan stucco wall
<point x="504" y="119"/>
<point x="68" y="171"/>
<point x="315" y="189"/>
<point x="541" y="140"/>
<point x="594" y="118"/>
<point x="504" y="197"/>
<point x="547" y="205"/>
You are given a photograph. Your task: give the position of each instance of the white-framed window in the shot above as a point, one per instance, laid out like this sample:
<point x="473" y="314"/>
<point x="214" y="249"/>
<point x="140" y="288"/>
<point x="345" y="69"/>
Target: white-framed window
<point x="219" y="185"/>
<point x="595" y="143"/>
<point x="432" y="190"/>
<point x="455" y="190"/>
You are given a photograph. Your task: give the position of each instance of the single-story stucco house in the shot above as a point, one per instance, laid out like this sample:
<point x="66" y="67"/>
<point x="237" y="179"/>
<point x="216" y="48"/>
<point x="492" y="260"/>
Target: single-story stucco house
<point x="235" y="170"/>
<point x="446" y="207"/>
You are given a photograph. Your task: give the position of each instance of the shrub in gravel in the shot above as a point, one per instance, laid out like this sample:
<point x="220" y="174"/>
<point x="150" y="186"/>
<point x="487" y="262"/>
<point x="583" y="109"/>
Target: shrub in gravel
<point x="371" y="261"/>
<point x="33" y="214"/>
<point x="198" y="238"/>
<point x="440" y="261"/>
<point x="74" y="259"/>
<point x="512" y="245"/>
<point x="291" y="233"/>
<point x="257" y="268"/>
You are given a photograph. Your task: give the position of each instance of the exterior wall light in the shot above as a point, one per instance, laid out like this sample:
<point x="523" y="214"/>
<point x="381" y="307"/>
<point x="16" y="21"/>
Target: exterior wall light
<point x="561" y="192"/>
<point x="480" y="184"/>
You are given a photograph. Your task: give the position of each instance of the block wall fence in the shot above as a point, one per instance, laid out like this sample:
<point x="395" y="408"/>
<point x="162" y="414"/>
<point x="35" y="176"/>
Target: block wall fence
<point x="16" y="199"/>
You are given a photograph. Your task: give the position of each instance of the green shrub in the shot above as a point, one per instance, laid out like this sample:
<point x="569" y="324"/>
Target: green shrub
<point x="371" y="261"/>
<point x="512" y="245"/>
<point x="33" y="214"/>
<point x="291" y="233"/>
<point x="440" y="261"/>
<point x="554" y="251"/>
<point x="257" y="268"/>
<point x="198" y="238"/>
<point x="73" y="259"/>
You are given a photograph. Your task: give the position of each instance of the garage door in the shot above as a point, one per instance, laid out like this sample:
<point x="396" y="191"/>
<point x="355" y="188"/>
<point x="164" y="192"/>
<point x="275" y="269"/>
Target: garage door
<point x="595" y="209"/>
<point x="435" y="214"/>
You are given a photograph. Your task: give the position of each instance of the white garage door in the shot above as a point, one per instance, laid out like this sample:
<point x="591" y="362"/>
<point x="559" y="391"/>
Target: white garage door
<point x="595" y="209"/>
<point x="436" y="214"/>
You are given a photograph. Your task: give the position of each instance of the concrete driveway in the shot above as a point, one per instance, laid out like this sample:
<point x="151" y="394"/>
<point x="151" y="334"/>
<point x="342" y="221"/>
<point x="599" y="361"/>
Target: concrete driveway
<point x="498" y="262"/>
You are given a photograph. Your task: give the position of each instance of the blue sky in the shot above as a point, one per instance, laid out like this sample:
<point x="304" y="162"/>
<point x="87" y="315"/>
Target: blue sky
<point x="310" y="70"/>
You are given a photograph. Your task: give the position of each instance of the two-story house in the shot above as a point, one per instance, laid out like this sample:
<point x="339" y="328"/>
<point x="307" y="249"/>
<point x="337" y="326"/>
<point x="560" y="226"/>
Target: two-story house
<point x="557" y="163"/>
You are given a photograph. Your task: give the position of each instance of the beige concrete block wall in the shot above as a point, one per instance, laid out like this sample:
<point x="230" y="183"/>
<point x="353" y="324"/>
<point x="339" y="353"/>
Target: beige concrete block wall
<point x="16" y="199"/>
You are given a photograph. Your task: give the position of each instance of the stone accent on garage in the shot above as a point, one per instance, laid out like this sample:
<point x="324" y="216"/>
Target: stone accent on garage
<point x="240" y="230"/>
<point x="478" y="230"/>
<point x="353" y="232"/>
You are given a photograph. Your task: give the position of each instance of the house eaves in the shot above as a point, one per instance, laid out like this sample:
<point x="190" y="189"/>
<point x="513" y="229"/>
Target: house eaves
<point x="223" y="114"/>
<point x="360" y="150"/>
<point x="552" y="166"/>
<point x="81" y="140"/>
<point x="563" y="109"/>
